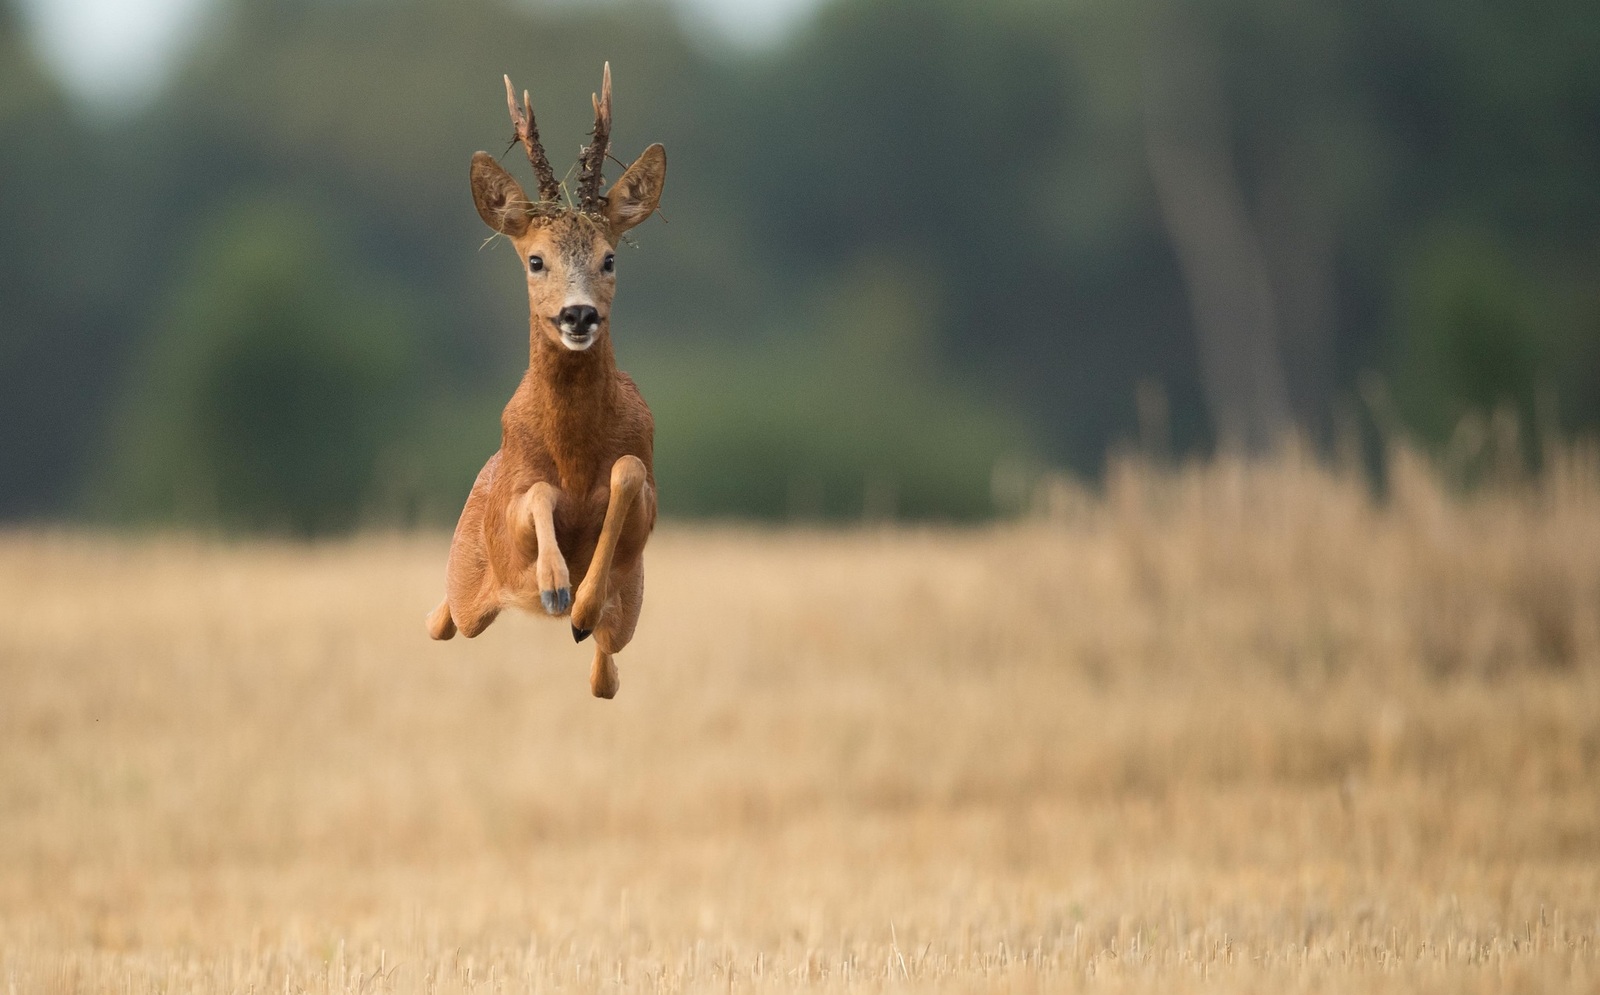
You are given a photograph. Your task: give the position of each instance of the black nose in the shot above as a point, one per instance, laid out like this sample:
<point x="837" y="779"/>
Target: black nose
<point x="580" y="319"/>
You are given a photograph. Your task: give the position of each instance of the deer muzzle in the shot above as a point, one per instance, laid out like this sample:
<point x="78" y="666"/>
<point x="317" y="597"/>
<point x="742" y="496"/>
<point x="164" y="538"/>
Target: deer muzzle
<point x="578" y="324"/>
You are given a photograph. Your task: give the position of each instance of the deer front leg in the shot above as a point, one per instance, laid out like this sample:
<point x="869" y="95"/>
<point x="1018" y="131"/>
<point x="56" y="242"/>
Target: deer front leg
<point x="536" y="509"/>
<point x="628" y="478"/>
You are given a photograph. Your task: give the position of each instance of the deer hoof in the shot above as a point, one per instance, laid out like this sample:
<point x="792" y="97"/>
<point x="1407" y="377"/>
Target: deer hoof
<point x="556" y="602"/>
<point x="603" y="678"/>
<point x="588" y="604"/>
<point x="579" y="635"/>
<point x="440" y="624"/>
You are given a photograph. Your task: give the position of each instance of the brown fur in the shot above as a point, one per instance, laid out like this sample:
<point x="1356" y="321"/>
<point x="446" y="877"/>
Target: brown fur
<point x="568" y="502"/>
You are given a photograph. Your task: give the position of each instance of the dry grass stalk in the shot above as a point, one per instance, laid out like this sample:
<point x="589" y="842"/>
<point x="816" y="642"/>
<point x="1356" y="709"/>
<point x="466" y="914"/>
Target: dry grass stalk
<point x="1231" y="728"/>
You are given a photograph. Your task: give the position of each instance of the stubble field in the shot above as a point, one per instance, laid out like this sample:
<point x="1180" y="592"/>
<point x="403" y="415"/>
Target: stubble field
<point x="1224" y="730"/>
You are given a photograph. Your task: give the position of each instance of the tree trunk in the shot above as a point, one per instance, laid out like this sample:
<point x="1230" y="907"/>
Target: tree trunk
<point x="1220" y="255"/>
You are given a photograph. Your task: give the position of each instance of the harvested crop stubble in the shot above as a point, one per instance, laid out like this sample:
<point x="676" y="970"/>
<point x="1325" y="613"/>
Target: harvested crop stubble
<point x="1235" y="728"/>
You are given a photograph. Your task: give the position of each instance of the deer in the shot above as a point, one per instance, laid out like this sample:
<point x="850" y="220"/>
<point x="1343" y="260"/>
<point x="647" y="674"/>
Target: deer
<point x="557" y="520"/>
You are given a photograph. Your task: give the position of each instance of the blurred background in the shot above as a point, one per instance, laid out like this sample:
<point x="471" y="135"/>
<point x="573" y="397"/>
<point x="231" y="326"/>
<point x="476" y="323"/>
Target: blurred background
<point x="914" y="253"/>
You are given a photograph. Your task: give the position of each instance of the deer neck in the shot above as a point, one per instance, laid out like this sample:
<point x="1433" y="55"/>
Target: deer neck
<point x="574" y="396"/>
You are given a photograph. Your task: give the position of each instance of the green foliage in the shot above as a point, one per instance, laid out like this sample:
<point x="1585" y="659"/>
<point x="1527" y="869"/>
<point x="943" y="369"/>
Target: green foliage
<point x="272" y="385"/>
<point x="775" y="435"/>
<point x="1471" y="333"/>
<point x="844" y="418"/>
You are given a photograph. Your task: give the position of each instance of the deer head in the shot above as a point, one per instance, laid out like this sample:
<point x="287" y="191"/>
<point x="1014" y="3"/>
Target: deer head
<point x="568" y="251"/>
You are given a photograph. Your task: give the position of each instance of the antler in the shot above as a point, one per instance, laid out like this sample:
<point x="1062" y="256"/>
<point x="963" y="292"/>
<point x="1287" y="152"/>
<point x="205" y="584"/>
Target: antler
<point x="593" y="157"/>
<point x="528" y="135"/>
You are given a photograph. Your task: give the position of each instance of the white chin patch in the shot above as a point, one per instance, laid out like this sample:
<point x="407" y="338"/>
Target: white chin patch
<point x="576" y="344"/>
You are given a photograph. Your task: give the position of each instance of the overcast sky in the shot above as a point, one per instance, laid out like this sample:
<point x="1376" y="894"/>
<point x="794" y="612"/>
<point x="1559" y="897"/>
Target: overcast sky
<point x="118" y="52"/>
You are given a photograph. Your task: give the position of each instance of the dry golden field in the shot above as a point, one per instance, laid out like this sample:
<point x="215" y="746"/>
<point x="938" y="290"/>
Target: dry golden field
<point x="1222" y="730"/>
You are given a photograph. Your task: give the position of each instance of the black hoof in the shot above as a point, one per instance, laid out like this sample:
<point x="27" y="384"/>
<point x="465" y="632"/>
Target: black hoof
<point x="556" y="602"/>
<point x="579" y="635"/>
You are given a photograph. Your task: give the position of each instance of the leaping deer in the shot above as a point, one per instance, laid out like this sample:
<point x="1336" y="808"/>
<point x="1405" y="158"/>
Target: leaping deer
<point x="569" y="498"/>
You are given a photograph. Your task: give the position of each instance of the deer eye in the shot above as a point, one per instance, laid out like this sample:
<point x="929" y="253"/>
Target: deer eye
<point x="610" y="263"/>
<point x="535" y="263"/>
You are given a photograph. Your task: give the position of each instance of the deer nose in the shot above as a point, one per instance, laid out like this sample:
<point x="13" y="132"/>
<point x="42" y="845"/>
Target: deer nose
<point x="580" y="319"/>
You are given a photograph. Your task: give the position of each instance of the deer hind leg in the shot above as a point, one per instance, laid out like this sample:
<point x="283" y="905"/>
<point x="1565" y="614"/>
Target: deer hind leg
<point x="535" y="511"/>
<point x="471" y="601"/>
<point x="470" y="605"/>
<point x="628" y="480"/>
<point x="616" y="627"/>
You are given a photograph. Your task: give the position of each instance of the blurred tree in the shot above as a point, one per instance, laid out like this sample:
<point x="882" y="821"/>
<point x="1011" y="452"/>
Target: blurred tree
<point x="938" y="133"/>
<point x="928" y="207"/>
<point x="277" y="376"/>
<point x="855" y="421"/>
<point x="1488" y="120"/>
<point x="52" y="331"/>
<point x="1188" y="144"/>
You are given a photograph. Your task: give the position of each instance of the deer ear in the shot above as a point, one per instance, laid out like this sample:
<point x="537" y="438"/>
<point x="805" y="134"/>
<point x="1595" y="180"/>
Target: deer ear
<point x="634" y="197"/>
<point x="501" y="203"/>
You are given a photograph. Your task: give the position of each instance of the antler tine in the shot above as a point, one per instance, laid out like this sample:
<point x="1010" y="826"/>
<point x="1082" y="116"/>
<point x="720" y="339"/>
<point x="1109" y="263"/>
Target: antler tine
<point x="528" y="135"/>
<point x="593" y="158"/>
